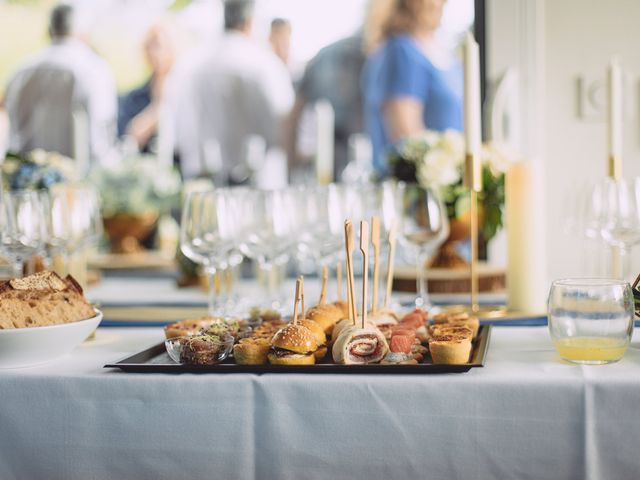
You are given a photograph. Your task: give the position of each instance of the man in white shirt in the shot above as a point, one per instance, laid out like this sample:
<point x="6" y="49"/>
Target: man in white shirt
<point x="239" y="90"/>
<point x="64" y="98"/>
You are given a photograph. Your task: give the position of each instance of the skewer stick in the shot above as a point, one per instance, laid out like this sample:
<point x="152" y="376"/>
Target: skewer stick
<point x="375" y="241"/>
<point x="304" y="315"/>
<point x="348" y="237"/>
<point x="339" y="279"/>
<point x="353" y="321"/>
<point x="390" y="266"/>
<point x="323" y="290"/>
<point x="364" y="248"/>
<point x="296" y="302"/>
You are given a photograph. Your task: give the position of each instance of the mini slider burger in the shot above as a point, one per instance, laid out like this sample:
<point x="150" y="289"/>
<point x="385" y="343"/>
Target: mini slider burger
<point x="293" y="345"/>
<point x="317" y="329"/>
<point x="319" y="336"/>
<point x="325" y="314"/>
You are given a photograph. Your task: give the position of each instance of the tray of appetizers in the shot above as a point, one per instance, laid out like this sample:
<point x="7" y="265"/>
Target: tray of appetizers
<point x="327" y="338"/>
<point x="322" y="342"/>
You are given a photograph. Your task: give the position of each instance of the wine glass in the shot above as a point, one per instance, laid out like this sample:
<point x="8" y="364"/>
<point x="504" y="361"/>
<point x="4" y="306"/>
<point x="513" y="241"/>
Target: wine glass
<point x="269" y="236"/>
<point x="234" y="304"/>
<point x="86" y="219"/>
<point x="615" y="214"/>
<point x="59" y="242"/>
<point x="23" y="227"/>
<point x="208" y="234"/>
<point x="310" y="219"/>
<point x="423" y="225"/>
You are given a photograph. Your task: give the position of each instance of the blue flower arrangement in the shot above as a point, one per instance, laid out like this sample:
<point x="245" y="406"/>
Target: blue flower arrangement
<point x="35" y="170"/>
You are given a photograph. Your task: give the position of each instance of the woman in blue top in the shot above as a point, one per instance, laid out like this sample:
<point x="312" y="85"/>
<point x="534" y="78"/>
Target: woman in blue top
<point x="409" y="83"/>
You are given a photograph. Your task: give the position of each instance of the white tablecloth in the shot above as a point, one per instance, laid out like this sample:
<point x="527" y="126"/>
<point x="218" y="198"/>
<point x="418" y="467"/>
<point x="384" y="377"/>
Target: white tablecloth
<point x="527" y="414"/>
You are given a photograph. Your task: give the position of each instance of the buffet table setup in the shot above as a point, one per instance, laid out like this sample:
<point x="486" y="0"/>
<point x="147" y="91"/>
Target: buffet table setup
<point x="526" y="414"/>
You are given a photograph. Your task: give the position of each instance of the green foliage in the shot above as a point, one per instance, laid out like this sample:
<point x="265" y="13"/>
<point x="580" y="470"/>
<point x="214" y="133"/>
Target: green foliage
<point x="138" y="186"/>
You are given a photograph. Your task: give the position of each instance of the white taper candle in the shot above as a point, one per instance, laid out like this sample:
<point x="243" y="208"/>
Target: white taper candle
<point x="472" y="122"/>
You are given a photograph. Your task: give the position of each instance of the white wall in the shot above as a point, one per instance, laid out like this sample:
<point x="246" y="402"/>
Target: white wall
<point x="554" y="42"/>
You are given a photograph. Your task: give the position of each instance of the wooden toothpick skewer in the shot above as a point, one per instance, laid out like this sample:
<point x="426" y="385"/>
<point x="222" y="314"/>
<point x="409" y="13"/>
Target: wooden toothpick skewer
<point x="296" y="302"/>
<point x="375" y="241"/>
<point x="323" y="290"/>
<point x="390" y="265"/>
<point x="353" y="321"/>
<point x="304" y="312"/>
<point x="348" y="237"/>
<point x="364" y="248"/>
<point x="339" y="279"/>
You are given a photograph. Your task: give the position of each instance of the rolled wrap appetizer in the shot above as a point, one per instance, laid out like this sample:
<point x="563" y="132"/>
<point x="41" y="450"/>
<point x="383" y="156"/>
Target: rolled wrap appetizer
<point x="359" y="346"/>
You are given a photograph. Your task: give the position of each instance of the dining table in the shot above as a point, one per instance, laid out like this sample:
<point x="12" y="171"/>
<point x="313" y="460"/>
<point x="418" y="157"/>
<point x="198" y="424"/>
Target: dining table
<point x="524" y="414"/>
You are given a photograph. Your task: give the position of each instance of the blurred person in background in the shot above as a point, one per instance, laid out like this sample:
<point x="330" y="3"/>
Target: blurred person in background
<point x="333" y="74"/>
<point x="280" y="38"/>
<point x="240" y="90"/>
<point x="139" y="110"/>
<point x="63" y="99"/>
<point x="410" y="83"/>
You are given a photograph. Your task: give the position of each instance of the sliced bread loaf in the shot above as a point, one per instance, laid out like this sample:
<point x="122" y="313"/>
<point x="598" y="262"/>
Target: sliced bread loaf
<point x="42" y="299"/>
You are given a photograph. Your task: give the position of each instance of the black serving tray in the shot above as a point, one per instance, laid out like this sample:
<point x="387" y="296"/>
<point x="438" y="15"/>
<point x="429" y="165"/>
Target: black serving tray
<point x="156" y="360"/>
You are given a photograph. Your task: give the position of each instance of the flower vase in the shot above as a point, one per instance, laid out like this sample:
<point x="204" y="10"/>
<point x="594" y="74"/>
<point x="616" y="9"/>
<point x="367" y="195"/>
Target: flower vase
<point x="127" y="231"/>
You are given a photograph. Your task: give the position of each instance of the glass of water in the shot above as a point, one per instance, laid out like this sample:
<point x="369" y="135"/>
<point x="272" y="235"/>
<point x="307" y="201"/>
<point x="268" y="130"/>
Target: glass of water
<point x="591" y="320"/>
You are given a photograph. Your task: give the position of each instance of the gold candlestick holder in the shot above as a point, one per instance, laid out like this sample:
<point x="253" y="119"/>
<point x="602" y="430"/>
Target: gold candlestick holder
<point x="614" y="167"/>
<point x="614" y="171"/>
<point x="473" y="183"/>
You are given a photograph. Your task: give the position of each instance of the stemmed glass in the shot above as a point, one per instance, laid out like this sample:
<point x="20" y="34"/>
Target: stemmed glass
<point x="233" y="303"/>
<point x="59" y="242"/>
<point x="615" y="214"/>
<point x="23" y="227"/>
<point x="311" y="222"/>
<point x="423" y="225"/>
<point x="208" y="234"/>
<point x="319" y="215"/>
<point x="75" y="225"/>
<point x="269" y="236"/>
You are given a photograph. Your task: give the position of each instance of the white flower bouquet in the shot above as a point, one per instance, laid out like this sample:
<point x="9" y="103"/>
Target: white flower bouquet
<point x="436" y="160"/>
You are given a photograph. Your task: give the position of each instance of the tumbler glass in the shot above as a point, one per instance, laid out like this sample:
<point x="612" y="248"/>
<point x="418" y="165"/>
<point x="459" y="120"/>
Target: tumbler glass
<point x="591" y="320"/>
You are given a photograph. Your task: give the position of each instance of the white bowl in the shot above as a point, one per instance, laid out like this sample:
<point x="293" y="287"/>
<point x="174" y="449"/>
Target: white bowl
<point x="25" y="347"/>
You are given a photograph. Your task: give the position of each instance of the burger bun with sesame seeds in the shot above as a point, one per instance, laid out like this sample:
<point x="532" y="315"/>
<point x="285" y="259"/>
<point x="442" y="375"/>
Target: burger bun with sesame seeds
<point x="293" y="345"/>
